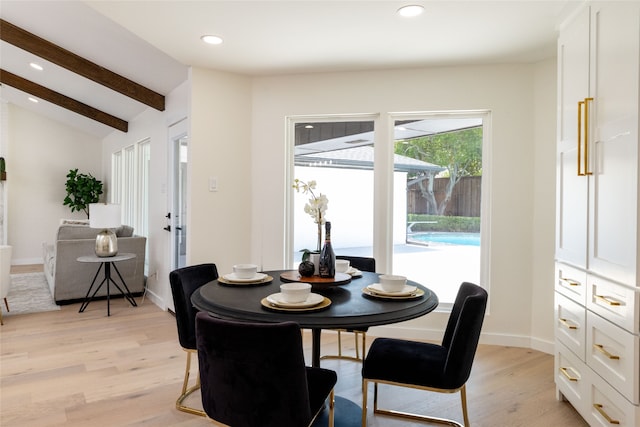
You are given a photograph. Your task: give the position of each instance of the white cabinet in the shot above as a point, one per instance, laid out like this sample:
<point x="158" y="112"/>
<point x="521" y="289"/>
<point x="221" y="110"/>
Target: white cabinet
<point x="597" y="305"/>
<point x="597" y="164"/>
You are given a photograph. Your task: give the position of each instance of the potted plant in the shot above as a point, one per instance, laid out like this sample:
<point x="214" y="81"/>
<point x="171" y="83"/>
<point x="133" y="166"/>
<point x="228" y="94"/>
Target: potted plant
<point x="82" y="190"/>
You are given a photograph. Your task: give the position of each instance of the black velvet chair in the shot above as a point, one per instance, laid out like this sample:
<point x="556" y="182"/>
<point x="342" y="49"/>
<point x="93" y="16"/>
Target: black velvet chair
<point x="441" y="368"/>
<point x="254" y="374"/>
<point x="184" y="281"/>
<point x="362" y="264"/>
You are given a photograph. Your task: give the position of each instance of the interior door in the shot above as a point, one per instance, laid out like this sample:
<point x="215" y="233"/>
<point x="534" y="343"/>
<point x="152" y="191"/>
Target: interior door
<point x="177" y="196"/>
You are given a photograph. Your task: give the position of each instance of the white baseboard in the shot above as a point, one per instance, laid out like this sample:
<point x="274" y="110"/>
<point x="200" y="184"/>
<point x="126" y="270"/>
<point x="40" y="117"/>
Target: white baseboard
<point x="506" y="340"/>
<point x="26" y="261"/>
<point x="485" y="338"/>
<point x="155" y="298"/>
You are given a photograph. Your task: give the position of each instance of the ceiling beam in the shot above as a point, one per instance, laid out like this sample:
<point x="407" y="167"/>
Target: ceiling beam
<point x="72" y="62"/>
<point x="71" y="104"/>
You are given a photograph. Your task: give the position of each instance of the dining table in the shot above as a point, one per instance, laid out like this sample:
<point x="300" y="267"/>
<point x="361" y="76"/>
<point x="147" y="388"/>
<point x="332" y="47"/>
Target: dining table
<point x="347" y="303"/>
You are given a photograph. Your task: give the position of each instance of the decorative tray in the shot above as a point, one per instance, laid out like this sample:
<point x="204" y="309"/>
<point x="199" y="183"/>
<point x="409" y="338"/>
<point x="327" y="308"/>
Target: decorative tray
<point x="294" y="276"/>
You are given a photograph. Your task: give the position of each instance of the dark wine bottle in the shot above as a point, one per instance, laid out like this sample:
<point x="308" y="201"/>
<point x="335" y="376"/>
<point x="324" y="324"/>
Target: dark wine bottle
<point x="327" y="256"/>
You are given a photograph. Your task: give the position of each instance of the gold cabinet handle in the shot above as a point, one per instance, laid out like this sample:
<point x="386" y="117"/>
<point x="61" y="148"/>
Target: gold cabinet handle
<point x="569" y="282"/>
<point x="566" y="323"/>
<point x="606" y="300"/>
<point x="598" y="407"/>
<point x="602" y="350"/>
<point x="583" y="160"/>
<point x="580" y="104"/>
<point x="565" y="372"/>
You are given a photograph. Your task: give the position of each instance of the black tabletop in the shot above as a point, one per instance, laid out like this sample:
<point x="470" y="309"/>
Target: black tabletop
<point x="349" y="309"/>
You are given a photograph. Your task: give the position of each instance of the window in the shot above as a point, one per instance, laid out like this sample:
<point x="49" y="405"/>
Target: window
<point x="338" y="156"/>
<point x="431" y="217"/>
<point x="438" y="215"/>
<point x="130" y="186"/>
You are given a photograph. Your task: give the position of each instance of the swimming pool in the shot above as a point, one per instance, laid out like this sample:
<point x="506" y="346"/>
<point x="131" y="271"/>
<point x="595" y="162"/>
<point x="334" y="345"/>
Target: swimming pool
<point x="467" y="239"/>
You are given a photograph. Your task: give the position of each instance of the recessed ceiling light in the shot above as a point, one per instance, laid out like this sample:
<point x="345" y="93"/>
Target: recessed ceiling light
<point x="36" y="66"/>
<point x="410" y="10"/>
<point x="308" y="127"/>
<point x="32" y="99"/>
<point x="209" y="39"/>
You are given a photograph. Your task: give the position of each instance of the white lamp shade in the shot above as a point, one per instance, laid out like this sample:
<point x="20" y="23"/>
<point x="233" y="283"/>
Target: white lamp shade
<point x="103" y="216"/>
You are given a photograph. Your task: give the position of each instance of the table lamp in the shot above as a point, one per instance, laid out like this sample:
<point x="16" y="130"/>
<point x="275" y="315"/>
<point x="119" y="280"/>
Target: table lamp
<point x="106" y="217"/>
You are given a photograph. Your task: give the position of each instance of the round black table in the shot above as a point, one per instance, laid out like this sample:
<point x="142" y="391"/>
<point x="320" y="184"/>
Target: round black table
<point x="349" y="309"/>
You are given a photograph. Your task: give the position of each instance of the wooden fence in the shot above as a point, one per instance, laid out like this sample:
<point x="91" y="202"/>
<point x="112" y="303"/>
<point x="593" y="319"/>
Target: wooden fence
<point x="465" y="199"/>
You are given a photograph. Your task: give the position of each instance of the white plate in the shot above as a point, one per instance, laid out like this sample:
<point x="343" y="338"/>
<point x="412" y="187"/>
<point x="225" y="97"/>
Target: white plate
<point x="231" y="277"/>
<point x="354" y="272"/>
<point x="406" y="291"/>
<point x="278" y="300"/>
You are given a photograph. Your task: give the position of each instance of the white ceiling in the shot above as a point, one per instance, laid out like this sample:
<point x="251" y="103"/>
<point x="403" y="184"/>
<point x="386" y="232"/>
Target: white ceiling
<point x="154" y="42"/>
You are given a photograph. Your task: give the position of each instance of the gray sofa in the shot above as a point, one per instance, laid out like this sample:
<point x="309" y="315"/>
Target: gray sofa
<point x="69" y="279"/>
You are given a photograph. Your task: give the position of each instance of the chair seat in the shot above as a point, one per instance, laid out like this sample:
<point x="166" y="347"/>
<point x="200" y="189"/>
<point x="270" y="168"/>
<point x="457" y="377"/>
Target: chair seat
<point x="406" y="362"/>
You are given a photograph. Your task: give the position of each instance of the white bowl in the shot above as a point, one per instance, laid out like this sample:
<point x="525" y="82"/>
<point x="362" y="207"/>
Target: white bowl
<point x="392" y="283"/>
<point x="295" y="292"/>
<point x="342" y="265"/>
<point x="245" y="271"/>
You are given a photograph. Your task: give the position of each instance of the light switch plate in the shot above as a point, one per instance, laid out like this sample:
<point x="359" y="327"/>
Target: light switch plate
<point x="213" y="183"/>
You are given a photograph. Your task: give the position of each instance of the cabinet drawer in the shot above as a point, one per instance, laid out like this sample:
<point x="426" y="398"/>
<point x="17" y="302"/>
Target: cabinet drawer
<point x="606" y="407"/>
<point x="613" y="353"/>
<point x="571" y="325"/>
<point x="616" y="303"/>
<point x="571" y="378"/>
<point x="571" y="282"/>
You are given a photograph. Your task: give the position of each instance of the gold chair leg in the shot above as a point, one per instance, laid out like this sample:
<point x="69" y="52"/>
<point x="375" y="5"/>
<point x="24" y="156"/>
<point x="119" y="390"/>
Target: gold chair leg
<point x="332" y="404"/>
<point x="418" y="417"/>
<point x="463" y="399"/>
<point x="6" y="303"/>
<point x="364" y="402"/>
<point x="186" y="391"/>
<point x="358" y="357"/>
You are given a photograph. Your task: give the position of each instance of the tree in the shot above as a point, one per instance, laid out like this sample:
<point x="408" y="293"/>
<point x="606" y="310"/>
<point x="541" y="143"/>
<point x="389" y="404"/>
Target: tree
<point x="82" y="190"/>
<point x="459" y="151"/>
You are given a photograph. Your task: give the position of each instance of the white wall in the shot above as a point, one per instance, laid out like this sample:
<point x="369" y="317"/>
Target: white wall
<point x="544" y="214"/>
<point x="508" y="92"/>
<point x="40" y="153"/>
<point x="219" y="227"/>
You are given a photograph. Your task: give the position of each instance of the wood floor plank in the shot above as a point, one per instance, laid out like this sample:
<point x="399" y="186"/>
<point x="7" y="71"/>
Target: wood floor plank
<point x="64" y="368"/>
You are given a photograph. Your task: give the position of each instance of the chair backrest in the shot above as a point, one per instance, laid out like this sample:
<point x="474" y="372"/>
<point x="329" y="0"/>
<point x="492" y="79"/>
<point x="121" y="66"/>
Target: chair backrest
<point x="184" y="281"/>
<point x="361" y="263"/>
<point x="463" y="333"/>
<point x="5" y="270"/>
<point x="252" y="374"/>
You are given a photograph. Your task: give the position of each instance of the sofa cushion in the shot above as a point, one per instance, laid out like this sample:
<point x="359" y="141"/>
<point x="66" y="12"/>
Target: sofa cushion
<point x="124" y="231"/>
<point x="73" y="232"/>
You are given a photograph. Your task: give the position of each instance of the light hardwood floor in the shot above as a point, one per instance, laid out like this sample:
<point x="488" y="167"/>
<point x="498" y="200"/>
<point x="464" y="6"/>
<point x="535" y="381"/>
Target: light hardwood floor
<point x="65" y="368"/>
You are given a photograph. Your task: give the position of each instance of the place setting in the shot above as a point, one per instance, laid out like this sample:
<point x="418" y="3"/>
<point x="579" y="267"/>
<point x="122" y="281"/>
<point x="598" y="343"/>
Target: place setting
<point x="245" y="275"/>
<point x="296" y="297"/>
<point x="344" y="266"/>
<point x="392" y="287"/>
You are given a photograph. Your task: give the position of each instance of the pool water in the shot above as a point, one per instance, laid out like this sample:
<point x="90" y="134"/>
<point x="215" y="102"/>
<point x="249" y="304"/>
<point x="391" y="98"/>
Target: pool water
<point x="467" y="239"/>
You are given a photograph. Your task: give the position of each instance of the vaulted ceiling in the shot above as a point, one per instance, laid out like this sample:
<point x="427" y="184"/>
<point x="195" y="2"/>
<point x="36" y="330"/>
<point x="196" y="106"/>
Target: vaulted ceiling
<point x="106" y="61"/>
